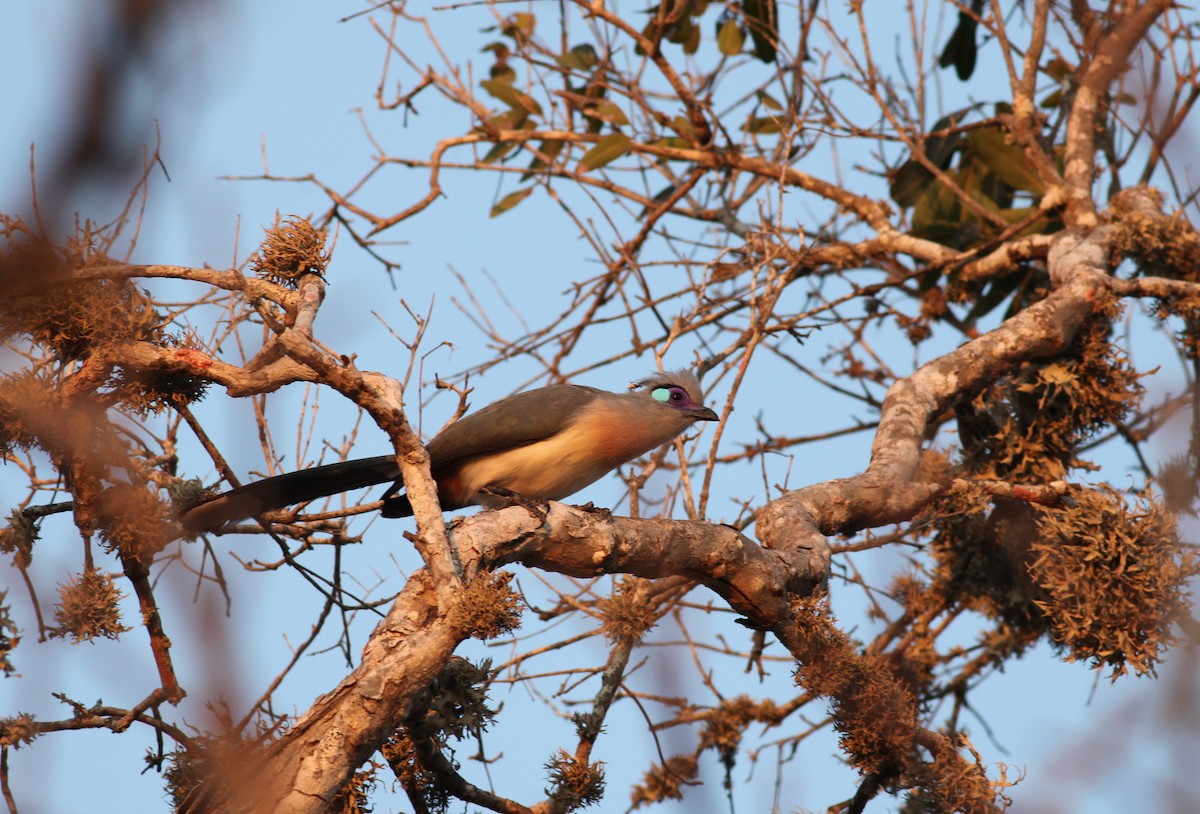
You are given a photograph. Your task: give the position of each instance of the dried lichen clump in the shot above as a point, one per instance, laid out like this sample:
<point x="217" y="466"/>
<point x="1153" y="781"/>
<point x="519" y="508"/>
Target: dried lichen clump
<point x="458" y="699"/>
<point x="625" y="616"/>
<point x="419" y="783"/>
<point x="455" y="707"/>
<point x="1028" y="427"/>
<point x="1161" y="246"/>
<point x="878" y="717"/>
<point x="213" y="766"/>
<point x="152" y="391"/>
<point x="34" y="413"/>
<point x="1101" y="579"/>
<point x="136" y="523"/>
<point x="489" y="607"/>
<point x="1113" y="578"/>
<point x="18" y="730"/>
<point x="290" y="250"/>
<point x="70" y="316"/>
<point x="23" y="397"/>
<point x="18" y="537"/>
<point x="725" y="726"/>
<point x="88" y="608"/>
<point x="1025" y="429"/>
<point x="981" y="559"/>
<point x="875" y="716"/>
<point x="576" y="783"/>
<point x="10" y="636"/>
<point x="665" y="782"/>
<point x="1102" y="575"/>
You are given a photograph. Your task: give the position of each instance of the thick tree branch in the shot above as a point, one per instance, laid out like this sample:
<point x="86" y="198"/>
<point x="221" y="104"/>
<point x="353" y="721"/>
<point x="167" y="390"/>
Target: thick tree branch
<point x="886" y="491"/>
<point x="1111" y="59"/>
<point x="310" y="765"/>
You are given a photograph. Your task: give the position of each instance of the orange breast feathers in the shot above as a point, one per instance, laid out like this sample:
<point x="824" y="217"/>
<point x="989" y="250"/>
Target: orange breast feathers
<point x="599" y="440"/>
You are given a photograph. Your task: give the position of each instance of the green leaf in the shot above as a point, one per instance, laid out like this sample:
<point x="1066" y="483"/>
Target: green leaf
<point x="651" y="31"/>
<point x="995" y="293"/>
<point x="961" y="50"/>
<point x="692" y="44"/>
<point x="762" y="125"/>
<point x="683" y="126"/>
<point x="912" y="178"/>
<point x="1059" y="69"/>
<point x="767" y="100"/>
<point x="498" y="151"/>
<point x="936" y="208"/>
<point x="1005" y="159"/>
<point x="762" y="17"/>
<point x="607" y="111"/>
<point x="1040" y="226"/>
<point x="508" y="120"/>
<point x="1017" y="214"/>
<point x="674" y="142"/>
<point x="607" y="149"/>
<point x="909" y="182"/>
<point x="1055" y="99"/>
<point x="685" y="33"/>
<point x="520" y="27"/>
<point x="661" y="196"/>
<point x="510" y="200"/>
<point x="511" y="96"/>
<point x="940" y="149"/>
<point x="502" y="72"/>
<point x="677" y="32"/>
<point x="579" y="58"/>
<point x="982" y="185"/>
<point x="730" y="38"/>
<point x="550" y="149"/>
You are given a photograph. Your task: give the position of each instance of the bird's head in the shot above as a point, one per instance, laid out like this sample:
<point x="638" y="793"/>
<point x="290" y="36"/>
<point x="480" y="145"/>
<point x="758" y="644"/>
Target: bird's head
<point x="677" y="390"/>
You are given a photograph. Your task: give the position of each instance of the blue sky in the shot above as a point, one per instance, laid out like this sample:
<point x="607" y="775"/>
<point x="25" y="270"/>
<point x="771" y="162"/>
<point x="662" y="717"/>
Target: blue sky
<point x="286" y="80"/>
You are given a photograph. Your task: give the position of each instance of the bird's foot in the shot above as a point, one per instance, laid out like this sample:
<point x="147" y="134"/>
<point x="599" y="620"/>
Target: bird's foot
<point x="505" y="498"/>
<point x="592" y="508"/>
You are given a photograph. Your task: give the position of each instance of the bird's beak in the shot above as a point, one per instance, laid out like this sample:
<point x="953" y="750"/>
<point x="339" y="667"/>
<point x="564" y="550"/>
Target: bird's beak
<point x="703" y="414"/>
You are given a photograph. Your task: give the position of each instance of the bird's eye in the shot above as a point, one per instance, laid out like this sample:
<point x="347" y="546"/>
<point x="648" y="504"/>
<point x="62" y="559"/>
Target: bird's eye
<point x="674" y="395"/>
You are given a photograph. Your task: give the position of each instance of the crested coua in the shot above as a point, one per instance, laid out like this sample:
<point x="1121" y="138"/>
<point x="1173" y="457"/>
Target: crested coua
<point x="543" y="444"/>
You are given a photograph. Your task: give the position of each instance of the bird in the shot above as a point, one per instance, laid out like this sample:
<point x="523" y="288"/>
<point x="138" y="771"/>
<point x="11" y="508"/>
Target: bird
<point x="542" y="444"/>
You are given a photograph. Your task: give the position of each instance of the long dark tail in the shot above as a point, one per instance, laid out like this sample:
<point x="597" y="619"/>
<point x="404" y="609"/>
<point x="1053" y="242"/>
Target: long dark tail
<point x="285" y="490"/>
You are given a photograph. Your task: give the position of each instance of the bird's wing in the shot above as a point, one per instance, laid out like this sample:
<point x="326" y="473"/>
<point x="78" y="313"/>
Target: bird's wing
<point x="512" y="422"/>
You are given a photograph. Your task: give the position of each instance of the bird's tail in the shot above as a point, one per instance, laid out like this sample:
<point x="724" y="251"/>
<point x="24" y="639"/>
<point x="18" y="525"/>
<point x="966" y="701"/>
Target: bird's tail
<point x="286" y="490"/>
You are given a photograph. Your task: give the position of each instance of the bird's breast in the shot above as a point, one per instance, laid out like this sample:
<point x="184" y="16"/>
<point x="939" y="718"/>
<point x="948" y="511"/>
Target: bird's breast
<point x="599" y="440"/>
